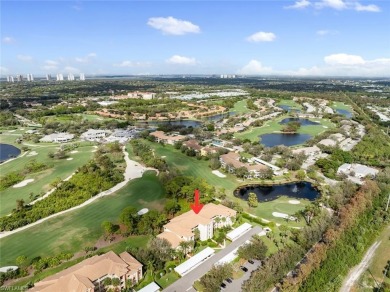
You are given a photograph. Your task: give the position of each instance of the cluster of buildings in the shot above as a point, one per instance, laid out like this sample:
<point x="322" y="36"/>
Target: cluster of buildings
<point x="90" y="274"/>
<point x="357" y="172"/>
<point x="135" y="94"/>
<point x="30" y="77"/>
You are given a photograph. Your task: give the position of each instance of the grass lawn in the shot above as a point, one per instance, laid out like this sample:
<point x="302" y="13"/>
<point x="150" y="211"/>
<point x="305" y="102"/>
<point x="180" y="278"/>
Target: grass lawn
<point x="168" y="279"/>
<point x="240" y="107"/>
<point x="341" y="105"/>
<point x="73" y="231"/>
<point x="379" y="260"/>
<point x="90" y="117"/>
<point x="41" y="184"/>
<point x="290" y="103"/>
<point x="192" y="167"/>
<point x="273" y="126"/>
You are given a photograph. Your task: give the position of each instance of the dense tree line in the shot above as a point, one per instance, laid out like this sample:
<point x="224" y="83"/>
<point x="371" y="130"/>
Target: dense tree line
<point x="8" y="119"/>
<point x="141" y="149"/>
<point x="330" y="164"/>
<point x="98" y="175"/>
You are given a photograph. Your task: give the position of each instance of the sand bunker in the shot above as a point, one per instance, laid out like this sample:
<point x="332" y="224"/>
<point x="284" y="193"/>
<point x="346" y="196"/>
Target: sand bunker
<point x="70" y="158"/>
<point x="294" y="202"/>
<point x="93" y="151"/>
<point x="73" y="152"/>
<point x="11" y="131"/>
<point x="143" y="211"/>
<point x="163" y="156"/>
<point x="325" y="127"/>
<point x="218" y="173"/>
<point x="32" y="153"/>
<point x="23" y="183"/>
<point x="282" y="215"/>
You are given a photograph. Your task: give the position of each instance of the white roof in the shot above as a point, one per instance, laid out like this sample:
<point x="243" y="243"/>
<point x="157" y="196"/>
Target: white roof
<point x="195" y="261"/>
<point x="229" y="257"/>
<point x="235" y="233"/>
<point x="5" y="269"/>
<point x="152" y="287"/>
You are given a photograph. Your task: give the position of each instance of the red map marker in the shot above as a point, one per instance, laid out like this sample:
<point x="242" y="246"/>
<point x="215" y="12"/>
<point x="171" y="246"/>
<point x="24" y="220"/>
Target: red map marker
<point x="196" y="207"/>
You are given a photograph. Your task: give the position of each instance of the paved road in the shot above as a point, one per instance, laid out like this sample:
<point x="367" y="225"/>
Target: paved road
<point x="237" y="283"/>
<point x="185" y="283"/>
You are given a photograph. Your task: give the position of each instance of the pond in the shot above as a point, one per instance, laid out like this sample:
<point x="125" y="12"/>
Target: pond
<point x="275" y="139"/>
<point x="8" y="151"/>
<point x="216" y="118"/>
<point x="303" y="122"/>
<point x="296" y="190"/>
<point x="185" y="123"/>
<point x="345" y="113"/>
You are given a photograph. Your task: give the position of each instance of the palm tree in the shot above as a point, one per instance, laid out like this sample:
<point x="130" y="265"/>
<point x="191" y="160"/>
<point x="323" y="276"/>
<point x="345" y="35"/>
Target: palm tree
<point x="184" y="245"/>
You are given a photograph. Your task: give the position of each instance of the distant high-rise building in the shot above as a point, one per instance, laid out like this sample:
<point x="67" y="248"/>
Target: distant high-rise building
<point x="30" y="77"/>
<point x="60" y="77"/>
<point x="70" y="77"/>
<point x="19" y="78"/>
<point x="11" y="79"/>
<point x="8" y="78"/>
<point x="82" y="76"/>
<point x="48" y="77"/>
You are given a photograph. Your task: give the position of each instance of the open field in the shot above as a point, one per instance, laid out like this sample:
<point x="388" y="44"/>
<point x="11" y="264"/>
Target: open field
<point x="341" y="105"/>
<point x="240" y="107"/>
<point x="378" y="262"/>
<point x="42" y="180"/>
<point x="273" y="126"/>
<point x="290" y="103"/>
<point x="73" y="231"/>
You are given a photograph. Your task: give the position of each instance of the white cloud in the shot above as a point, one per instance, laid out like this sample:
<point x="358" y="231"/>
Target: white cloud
<point x="8" y="40"/>
<point x="261" y="36"/>
<point x="3" y="70"/>
<point x="88" y="58"/>
<point x="335" y="4"/>
<point x="368" y="8"/>
<point x="50" y="65"/>
<point x="301" y="4"/>
<point x="181" y="60"/>
<point x="343" y="59"/>
<point x="325" y="32"/>
<point x="24" y="58"/>
<point x="131" y="64"/>
<point x="70" y="69"/>
<point x="254" y="67"/>
<point x="173" y="26"/>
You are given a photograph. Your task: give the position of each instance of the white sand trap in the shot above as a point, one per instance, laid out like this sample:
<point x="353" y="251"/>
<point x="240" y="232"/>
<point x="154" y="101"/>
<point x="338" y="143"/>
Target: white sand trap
<point x="73" y="152"/>
<point x="282" y="215"/>
<point x="70" y="158"/>
<point x="95" y="146"/>
<point x="294" y="202"/>
<point x="218" y="173"/>
<point x="21" y="129"/>
<point x="23" y="183"/>
<point x="163" y="156"/>
<point x="143" y="211"/>
<point x="325" y="127"/>
<point x="11" y="131"/>
<point x="32" y="153"/>
<point x="93" y="150"/>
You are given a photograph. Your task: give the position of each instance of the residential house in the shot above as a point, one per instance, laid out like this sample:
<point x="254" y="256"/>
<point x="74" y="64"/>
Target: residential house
<point x="308" y="151"/>
<point x="94" y="135"/>
<point x="182" y="227"/>
<point x="231" y="161"/>
<point x="169" y="139"/>
<point x="57" y="138"/>
<point x="205" y="151"/>
<point x="89" y="275"/>
<point x="357" y="170"/>
<point x="193" y="144"/>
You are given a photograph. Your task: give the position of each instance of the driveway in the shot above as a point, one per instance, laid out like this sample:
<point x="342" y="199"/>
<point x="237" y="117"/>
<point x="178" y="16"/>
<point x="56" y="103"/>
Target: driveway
<point x="185" y="283"/>
<point x="237" y="283"/>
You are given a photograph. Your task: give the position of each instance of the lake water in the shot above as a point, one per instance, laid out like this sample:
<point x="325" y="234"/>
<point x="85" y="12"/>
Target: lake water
<point x="297" y="190"/>
<point x="270" y="140"/>
<point x="303" y="122"/>
<point x="8" y="151"/>
<point x="185" y="123"/>
<point x="218" y="117"/>
<point x="345" y="113"/>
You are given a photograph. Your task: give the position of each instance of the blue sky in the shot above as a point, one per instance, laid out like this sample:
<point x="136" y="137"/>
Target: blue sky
<point x="304" y="37"/>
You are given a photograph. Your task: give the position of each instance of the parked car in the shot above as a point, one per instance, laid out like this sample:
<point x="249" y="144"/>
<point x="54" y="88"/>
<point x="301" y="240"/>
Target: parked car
<point x="229" y="280"/>
<point x="244" y="269"/>
<point x="223" y="285"/>
<point x="251" y="262"/>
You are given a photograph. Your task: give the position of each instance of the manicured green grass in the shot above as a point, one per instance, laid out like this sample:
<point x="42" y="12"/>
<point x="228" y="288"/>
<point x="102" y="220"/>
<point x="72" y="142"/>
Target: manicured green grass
<point x="41" y="184"/>
<point x="90" y="117"/>
<point x="75" y="230"/>
<point x="273" y="126"/>
<point x="192" y="167"/>
<point x="240" y="107"/>
<point x="341" y="105"/>
<point x="290" y="103"/>
<point x="168" y="279"/>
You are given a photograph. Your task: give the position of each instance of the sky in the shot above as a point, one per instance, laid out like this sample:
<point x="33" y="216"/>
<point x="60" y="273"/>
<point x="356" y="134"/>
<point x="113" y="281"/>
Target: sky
<point x="298" y="38"/>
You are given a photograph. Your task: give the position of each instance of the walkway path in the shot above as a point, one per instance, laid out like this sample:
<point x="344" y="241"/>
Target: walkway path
<point x="133" y="170"/>
<point x="356" y="272"/>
